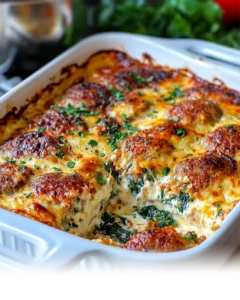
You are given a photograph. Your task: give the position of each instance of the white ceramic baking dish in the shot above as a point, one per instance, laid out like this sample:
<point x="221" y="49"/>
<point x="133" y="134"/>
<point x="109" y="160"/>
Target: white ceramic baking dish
<point x="25" y="243"/>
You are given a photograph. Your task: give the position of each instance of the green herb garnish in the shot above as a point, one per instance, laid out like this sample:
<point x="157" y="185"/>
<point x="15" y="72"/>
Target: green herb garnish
<point x="71" y="164"/>
<point x="56" y="169"/>
<point x="180" y="131"/>
<point x="11" y="161"/>
<point x="41" y="129"/>
<point x="117" y="94"/>
<point x="92" y="143"/>
<point x="101" y="180"/>
<point x="166" y="171"/>
<point x="131" y="128"/>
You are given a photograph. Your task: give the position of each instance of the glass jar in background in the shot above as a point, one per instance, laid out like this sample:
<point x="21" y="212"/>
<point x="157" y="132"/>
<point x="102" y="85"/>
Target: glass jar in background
<point x="6" y="50"/>
<point x="37" y="30"/>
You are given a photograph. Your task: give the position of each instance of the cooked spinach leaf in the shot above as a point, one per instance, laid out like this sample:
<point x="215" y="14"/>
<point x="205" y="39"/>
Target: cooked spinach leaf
<point x="164" y="217"/>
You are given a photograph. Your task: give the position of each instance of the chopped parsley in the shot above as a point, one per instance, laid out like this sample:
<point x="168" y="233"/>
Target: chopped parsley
<point x="78" y="111"/>
<point x="126" y="118"/>
<point x="135" y="186"/>
<point x="37" y="167"/>
<point x="41" y="129"/>
<point x="140" y="93"/>
<point x="175" y="93"/>
<point x="117" y="94"/>
<point x="180" y="131"/>
<point x="111" y="228"/>
<point x="61" y="138"/>
<point x="150" y="176"/>
<point x="140" y="79"/>
<point x="60" y="154"/>
<point x="99" y="120"/>
<point x="166" y="171"/>
<point x="113" y="139"/>
<point x="25" y="118"/>
<point x="162" y="216"/>
<point x="219" y="209"/>
<point x="81" y="134"/>
<point x="110" y="169"/>
<point x="131" y="128"/>
<point x="11" y="161"/>
<point x="92" y="143"/>
<point x="71" y="164"/>
<point x="27" y="194"/>
<point x="70" y="132"/>
<point x="101" y="180"/>
<point x="56" y="169"/>
<point x="190" y="236"/>
<point x="129" y="166"/>
<point x="229" y="126"/>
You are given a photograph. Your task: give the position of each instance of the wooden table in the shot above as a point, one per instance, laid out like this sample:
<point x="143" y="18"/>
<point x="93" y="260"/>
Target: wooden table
<point x="231" y="267"/>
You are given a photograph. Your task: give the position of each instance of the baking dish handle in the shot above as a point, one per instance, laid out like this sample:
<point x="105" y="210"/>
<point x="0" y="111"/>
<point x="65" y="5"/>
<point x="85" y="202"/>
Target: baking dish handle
<point x="207" y="50"/>
<point x="26" y="244"/>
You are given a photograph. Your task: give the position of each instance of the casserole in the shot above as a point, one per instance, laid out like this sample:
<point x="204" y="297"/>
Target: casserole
<point x="38" y="249"/>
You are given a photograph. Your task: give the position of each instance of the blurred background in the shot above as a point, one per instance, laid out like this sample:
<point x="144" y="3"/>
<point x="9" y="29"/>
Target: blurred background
<point x="32" y="32"/>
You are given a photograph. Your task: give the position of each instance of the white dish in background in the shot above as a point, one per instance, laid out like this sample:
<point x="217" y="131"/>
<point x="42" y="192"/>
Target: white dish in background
<point x="25" y="243"/>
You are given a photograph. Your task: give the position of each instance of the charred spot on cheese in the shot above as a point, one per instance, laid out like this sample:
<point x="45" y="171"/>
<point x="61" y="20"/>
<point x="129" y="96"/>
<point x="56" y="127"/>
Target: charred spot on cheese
<point x="215" y="92"/>
<point x="59" y="187"/>
<point x="13" y="177"/>
<point x="34" y="143"/>
<point x="93" y="95"/>
<point x="56" y="124"/>
<point x="224" y="140"/>
<point x="140" y="77"/>
<point x="195" y="112"/>
<point x="200" y="172"/>
<point x="160" y="239"/>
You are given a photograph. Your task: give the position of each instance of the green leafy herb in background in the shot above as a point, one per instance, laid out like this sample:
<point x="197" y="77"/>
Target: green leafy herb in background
<point x="201" y="19"/>
<point x="79" y="23"/>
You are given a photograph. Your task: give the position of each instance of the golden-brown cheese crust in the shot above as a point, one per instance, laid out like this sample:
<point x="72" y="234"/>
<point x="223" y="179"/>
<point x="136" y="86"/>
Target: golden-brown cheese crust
<point x="13" y="177"/>
<point x="150" y="147"/>
<point x="55" y="123"/>
<point x="160" y="239"/>
<point x="93" y="95"/>
<point x="34" y="144"/>
<point x="60" y="188"/>
<point x="200" y="172"/>
<point x="224" y="140"/>
<point x="215" y="92"/>
<point x="140" y="77"/>
<point x="195" y="112"/>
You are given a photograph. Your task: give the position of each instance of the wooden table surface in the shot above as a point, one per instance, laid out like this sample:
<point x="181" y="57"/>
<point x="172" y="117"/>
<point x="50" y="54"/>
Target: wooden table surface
<point x="231" y="267"/>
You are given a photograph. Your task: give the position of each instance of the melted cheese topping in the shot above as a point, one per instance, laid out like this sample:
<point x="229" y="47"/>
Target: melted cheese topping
<point x="134" y="154"/>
